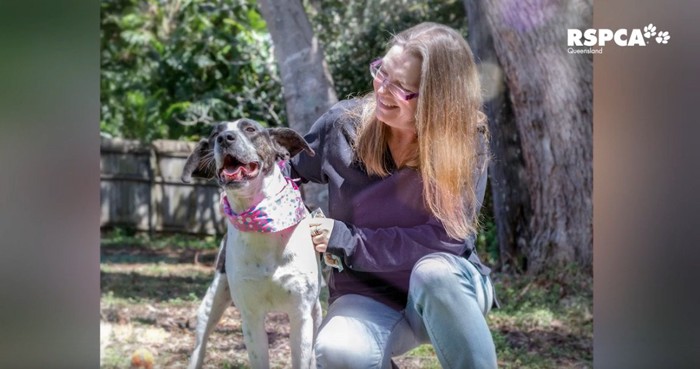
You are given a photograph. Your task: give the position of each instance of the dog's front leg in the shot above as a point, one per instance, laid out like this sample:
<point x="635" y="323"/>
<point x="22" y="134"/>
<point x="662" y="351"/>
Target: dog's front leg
<point x="215" y="302"/>
<point x="256" y="338"/>
<point x="317" y="315"/>
<point x="301" y="338"/>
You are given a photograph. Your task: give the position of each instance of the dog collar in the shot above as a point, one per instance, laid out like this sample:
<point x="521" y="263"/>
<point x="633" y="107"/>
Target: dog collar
<point x="274" y="214"/>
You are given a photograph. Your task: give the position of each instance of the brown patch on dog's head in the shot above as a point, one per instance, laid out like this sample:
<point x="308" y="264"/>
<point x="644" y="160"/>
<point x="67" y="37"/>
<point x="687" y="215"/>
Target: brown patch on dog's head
<point x="200" y="163"/>
<point x="289" y="143"/>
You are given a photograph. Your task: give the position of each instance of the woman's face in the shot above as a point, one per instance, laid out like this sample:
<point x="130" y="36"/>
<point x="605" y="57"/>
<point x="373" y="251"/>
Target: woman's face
<point x="402" y="70"/>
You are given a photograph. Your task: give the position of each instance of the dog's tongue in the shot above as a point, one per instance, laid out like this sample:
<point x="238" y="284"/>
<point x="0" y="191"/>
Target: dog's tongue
<point x="234" y="173"/>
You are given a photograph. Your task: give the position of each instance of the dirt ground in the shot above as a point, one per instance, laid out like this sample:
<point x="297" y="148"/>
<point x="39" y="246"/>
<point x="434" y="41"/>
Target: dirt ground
<point x="152" y="304"/>
<point x="149" y="300"/>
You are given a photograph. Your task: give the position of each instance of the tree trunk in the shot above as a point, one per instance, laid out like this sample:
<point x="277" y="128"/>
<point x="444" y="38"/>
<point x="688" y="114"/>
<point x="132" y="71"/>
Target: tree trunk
<point x="507" y="175"/>
<point x="541" y="127"/>
<point x="306" y="82"/>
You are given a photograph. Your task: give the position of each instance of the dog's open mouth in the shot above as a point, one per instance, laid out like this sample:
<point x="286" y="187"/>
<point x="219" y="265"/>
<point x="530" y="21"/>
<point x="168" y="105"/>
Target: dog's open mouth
<point x="234" y="170"/>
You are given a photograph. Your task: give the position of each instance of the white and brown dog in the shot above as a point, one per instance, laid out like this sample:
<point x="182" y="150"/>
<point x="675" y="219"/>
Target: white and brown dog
<point x="270" y="261"/>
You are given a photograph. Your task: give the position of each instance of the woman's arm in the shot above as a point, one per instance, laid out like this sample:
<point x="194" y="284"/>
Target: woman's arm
<point x="390" y="249"/>
<point x="397" y="248"/>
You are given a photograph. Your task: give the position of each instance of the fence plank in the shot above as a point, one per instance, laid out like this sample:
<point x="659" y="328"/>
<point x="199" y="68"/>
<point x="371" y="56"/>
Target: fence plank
<point x="141" y="189"/>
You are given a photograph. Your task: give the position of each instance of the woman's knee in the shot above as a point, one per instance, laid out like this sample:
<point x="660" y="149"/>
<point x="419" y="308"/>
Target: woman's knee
<point x="445" y="278"/>
<point x="433" y="271"/>
<point x="342" y="348"/>
<point x="438" y="276"/>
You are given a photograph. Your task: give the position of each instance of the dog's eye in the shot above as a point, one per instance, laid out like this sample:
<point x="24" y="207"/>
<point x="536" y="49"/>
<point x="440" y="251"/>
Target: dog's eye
<point x="250" y="129"/>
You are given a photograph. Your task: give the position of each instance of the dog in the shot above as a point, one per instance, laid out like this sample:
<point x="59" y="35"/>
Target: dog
<point x="270" y="262"/>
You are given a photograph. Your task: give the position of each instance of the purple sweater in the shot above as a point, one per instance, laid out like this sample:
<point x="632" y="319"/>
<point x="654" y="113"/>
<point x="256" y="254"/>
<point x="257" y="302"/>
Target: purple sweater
<point x="382" y="228"/>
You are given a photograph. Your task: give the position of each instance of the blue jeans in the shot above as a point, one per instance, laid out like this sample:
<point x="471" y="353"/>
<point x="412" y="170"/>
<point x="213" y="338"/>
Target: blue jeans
<point x="447" y="301"/>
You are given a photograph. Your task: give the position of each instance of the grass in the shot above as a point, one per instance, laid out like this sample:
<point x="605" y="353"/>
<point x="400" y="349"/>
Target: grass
<point x="151" y="289"/>
<point x="120" y="237"/>
<point x="545" y="321"/>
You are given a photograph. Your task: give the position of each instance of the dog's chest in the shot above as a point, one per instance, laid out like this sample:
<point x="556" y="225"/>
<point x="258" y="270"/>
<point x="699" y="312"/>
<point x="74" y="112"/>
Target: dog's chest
<point x="259" y="254"/>
<point x="272" y="269"/>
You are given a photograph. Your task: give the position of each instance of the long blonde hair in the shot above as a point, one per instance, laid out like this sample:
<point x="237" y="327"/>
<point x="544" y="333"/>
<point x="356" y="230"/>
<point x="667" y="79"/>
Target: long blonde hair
<point x="448" y="122"/>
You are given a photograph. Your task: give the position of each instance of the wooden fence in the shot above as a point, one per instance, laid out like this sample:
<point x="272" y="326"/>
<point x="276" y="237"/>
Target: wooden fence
<point x="140" y="188"/>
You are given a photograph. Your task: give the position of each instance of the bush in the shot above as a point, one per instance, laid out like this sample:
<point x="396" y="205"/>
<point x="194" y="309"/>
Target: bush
<point x="168" y="68"/>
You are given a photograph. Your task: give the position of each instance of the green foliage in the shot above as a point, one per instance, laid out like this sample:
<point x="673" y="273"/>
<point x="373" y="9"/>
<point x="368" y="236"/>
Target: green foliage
<point x="487" y="239"/>
<point x="168" y="68"/>
<point x="355" y="33"/>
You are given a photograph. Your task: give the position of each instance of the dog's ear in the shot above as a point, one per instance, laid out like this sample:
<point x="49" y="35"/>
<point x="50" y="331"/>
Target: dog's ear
<point x="200" y="163"/>
<point x="287" y="143"/>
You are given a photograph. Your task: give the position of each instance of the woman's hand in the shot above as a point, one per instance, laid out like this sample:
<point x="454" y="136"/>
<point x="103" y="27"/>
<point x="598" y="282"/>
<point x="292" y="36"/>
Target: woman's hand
<point x="321" y="229"/>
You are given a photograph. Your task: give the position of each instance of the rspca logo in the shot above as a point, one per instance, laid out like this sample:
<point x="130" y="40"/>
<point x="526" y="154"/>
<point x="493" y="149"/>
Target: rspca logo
<point x="595" y="39"/>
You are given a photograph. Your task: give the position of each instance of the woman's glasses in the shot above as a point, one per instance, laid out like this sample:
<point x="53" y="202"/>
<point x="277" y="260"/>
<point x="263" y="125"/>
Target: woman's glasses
<point x="375" y="69"/>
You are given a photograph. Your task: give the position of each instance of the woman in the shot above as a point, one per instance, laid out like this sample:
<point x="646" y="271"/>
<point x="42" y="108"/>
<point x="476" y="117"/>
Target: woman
<point x="406" y="174"/>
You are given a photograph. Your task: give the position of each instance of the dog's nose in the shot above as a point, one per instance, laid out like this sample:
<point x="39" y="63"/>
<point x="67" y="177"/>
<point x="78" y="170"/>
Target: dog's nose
<point x="228" y="137"/>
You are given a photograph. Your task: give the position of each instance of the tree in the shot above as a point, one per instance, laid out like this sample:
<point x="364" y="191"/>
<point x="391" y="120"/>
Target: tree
<point x="306" y="82"/>
<point x="539" y="104"/>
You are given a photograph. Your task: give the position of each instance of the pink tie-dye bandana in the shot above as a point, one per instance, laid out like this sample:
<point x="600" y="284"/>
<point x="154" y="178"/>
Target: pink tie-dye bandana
<point x="274" y="214"/>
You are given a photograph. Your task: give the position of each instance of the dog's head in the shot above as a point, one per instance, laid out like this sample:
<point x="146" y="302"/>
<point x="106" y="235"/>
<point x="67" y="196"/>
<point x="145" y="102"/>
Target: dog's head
<point x="238" y="152"/>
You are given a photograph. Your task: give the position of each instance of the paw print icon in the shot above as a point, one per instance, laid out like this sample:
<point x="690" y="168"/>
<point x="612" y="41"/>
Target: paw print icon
<point x="663" y="37"/>
<point x="649" y="30"/>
